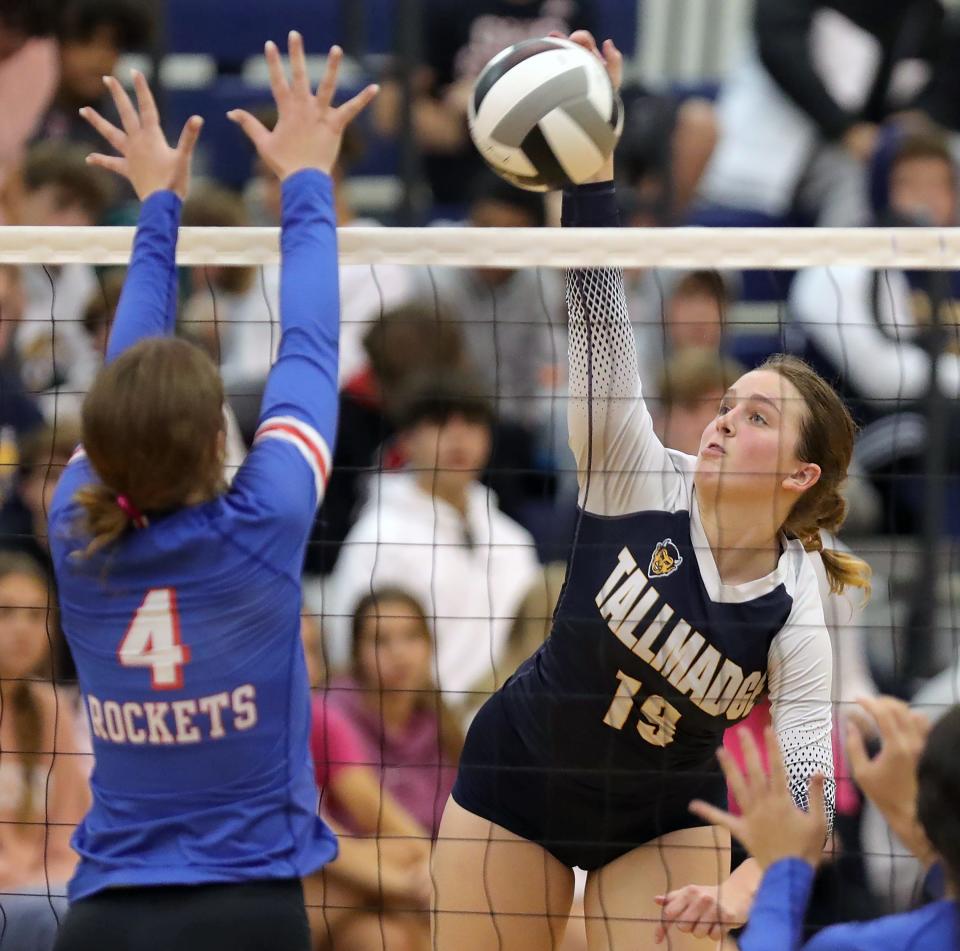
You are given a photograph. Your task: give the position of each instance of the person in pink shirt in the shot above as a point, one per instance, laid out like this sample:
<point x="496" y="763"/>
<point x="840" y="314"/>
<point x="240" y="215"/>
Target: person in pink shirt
<point x="391" y="699"/>
<point x="374" y="894"/>
<point x="28" y="73"/>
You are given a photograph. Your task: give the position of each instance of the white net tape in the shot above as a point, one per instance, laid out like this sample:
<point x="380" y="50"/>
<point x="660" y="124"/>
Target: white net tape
<point x="753" y="248"/>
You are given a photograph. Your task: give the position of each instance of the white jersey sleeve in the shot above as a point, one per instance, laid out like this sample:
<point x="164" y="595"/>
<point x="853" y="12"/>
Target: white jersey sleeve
<point x="800" y="673"/>
<point x="622" y="466"/>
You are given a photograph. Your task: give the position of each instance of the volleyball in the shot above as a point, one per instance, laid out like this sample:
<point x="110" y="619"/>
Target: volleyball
<point x="544" y="115"/>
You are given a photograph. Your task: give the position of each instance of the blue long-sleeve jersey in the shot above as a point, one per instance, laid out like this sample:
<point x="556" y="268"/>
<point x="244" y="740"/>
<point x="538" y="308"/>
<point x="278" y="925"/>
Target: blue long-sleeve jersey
<point x="776" y="920"/>
<point x="186" y="633"/>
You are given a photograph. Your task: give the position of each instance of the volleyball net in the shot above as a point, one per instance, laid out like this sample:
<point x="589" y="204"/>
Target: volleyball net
<point x="442" y="322"/>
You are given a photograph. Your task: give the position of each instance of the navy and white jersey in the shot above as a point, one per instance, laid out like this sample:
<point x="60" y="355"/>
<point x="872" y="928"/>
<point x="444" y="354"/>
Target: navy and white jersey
<point x="186" y="633"/>
<point x="652" y="656"/>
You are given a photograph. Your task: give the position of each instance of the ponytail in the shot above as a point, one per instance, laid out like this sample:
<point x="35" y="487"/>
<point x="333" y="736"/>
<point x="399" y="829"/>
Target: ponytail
<point x="105" y="519"/>
<point x="826" y="437"/>
<point x="829" y="509"/>
<point x="846" y="570"/>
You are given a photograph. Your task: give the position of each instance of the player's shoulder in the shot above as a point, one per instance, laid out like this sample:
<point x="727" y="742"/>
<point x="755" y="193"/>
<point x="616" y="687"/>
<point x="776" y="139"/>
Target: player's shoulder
<point x="77" y="473"/>
<point x="803" y="586"/>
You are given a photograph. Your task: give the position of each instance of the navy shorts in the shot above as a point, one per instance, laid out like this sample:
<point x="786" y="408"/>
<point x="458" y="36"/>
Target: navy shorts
<point x="251" y="916"/>
<point x="583" y="819"/>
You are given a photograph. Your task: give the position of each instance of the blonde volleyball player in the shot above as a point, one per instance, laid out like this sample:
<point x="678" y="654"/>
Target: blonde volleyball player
<point x="689" y="596"/>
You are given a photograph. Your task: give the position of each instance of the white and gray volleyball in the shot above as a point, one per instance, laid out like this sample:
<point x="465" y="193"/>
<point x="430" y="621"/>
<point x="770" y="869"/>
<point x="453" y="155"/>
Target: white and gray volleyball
<point x="544" y="115"/>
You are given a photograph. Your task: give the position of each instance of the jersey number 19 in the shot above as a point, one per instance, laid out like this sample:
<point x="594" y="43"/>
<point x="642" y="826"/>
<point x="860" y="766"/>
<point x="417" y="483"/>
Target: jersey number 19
<point x="658" y="717"/>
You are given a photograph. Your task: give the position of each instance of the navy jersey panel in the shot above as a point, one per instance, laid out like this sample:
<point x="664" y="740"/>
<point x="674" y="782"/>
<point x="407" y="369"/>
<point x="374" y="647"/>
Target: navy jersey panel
<point x="564" y="698"/>
<point x="186" y="633"/>
<point x="501" y="779"/>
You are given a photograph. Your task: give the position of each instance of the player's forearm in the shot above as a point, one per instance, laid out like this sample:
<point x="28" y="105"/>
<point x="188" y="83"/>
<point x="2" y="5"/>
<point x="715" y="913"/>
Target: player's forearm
<point x="147" y="305"/>
<point x="740" y="888"/>
<point x="309" y="276"/>
<point x="303" y="382"/>
<point x="776" y="919"/>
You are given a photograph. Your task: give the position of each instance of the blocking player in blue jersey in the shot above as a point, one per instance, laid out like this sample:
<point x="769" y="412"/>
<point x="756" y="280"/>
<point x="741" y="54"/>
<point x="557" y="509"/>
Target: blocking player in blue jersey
<point x="180" y="598"/>
<point x="913" y="782"/>
<point x="689" y="595"/>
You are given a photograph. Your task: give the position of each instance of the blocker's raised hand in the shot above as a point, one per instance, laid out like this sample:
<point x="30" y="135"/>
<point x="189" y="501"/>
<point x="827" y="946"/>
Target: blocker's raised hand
<point x="309" y="127"/>
<point x="146" y="159"/>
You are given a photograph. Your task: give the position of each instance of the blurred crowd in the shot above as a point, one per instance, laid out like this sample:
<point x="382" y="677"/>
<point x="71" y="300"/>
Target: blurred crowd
<point x="437" y="555"/>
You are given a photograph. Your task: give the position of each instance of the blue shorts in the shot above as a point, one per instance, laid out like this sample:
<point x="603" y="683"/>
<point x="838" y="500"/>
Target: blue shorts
<point x="583" y="819"/>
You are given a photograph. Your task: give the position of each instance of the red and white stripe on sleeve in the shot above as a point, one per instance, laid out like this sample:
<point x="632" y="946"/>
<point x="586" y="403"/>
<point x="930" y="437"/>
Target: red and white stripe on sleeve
<point x="78" y="453"/>
<point x="312" y="445"/>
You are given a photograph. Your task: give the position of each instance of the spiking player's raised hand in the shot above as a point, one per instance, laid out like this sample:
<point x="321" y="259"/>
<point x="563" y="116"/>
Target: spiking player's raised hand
<point x="146" y="159"/>
<point x="309" y="127"/>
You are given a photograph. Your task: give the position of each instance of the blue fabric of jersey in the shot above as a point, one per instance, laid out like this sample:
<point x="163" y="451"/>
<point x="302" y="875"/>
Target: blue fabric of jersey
<point x="210" y="779"/>
<point x="776" y="920"/>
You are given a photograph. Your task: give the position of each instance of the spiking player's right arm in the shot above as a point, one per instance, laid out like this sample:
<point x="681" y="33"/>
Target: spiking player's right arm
<point x="621" y="464"/>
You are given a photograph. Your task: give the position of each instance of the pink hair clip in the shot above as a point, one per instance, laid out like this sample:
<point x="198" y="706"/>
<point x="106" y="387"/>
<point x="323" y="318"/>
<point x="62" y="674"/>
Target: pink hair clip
<point x="132" y="512"/>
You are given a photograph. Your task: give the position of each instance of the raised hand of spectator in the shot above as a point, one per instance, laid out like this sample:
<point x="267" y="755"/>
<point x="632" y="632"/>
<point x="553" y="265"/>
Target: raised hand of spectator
<point x="146" y="159"/>
<point x="889" y="779"/>
<point x="309" y="127"/>
<point x="770" y="826"/>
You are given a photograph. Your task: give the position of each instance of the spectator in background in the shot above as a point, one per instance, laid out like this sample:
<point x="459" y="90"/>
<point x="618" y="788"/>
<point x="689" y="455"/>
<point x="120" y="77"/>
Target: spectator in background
<point x="43" y="780"/>
<point x="672" y="311"/>
<point x="404" y="344"/>
<point x="435" y="531"/>
<point x="42" y="455"/>
<point x="799" y="116"/>
<point x="28" y="74"/>
<point x="691" y="386"/>
<point x="19" y="413"/>
<point x="663" y="152"/>
<point x="98" y="316"/>
<point x="354" y="903"/>
<point x="93" y="36"/>
<point x="218" y="295"/>
<point x="514" y="321"/>
<point x="871" y="329"/>
<point x="57" y="360"/>
<point x="459" y="38"/>
<point x="390" y="697"/>
<point x="366" y="291"/>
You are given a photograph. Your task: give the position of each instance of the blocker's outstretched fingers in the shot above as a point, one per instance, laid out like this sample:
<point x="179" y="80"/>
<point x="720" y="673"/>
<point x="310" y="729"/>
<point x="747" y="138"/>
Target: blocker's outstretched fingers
<point x="353" y="107"/>
<point x="145" y="101"/>
<point x="116" y="137"/>
<point x="128" y="115"/>
<point x="112" y="163"/>
<point x="188" y="137"/>
<point x="300" y="81"/>
<point x="278" y="78"/>
<point x="328" y="85"/>
<point x="252" y="127"/>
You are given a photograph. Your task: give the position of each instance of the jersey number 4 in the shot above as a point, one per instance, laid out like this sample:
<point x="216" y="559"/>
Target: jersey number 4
<point x="153" y="640"/>
<point x="658" y="717"/>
